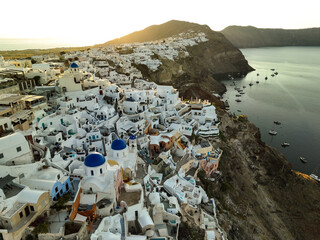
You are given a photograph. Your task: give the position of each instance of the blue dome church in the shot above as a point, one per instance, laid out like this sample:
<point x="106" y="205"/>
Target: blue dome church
<point x="95" y="164"/>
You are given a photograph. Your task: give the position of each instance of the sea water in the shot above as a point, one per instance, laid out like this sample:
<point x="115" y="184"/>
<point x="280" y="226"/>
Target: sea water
<point x="7" y="44"/>
<point x="292" y="97"/>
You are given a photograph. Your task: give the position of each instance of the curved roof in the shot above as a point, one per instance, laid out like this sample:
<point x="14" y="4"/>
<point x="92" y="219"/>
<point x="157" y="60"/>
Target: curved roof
<point x="118" y="144"/>
<point x="94" y="159"/>
<point x="74" y="65"/>
<point x="132" y="137"/>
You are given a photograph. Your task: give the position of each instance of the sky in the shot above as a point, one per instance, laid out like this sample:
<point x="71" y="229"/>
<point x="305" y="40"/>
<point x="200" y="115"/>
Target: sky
<point x="97" y="21"/>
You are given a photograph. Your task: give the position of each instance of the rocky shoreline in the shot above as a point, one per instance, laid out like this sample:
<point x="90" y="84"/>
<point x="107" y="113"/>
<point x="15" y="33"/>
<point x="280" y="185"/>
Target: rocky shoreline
<point x="259" y="196"/>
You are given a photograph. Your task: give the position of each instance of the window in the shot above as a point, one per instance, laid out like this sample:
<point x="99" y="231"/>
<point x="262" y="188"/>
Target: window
<point x="92" y="173"/>
<point x="18" y="149"/>
<point x="21" y="214"/>
<point x="32" y="208"/>
<point x="100" y="170"/>
<point x="1" y="155"/>
<point x="50" y="123"/>
<point x="67" y="187"/>
<point x="5" y="125"/>
<point x="58" y="176"/>
<point x="56" y="189"/>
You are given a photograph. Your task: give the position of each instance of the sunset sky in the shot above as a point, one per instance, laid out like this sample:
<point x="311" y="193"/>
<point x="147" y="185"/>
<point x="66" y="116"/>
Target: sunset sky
<point x="97" y="21"/>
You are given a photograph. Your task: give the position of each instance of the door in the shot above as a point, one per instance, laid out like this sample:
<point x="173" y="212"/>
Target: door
<point x="26" y="209"/>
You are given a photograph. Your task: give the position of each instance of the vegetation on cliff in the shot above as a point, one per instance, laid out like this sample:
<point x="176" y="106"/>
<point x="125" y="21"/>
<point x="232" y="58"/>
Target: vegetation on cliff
<point x="250" y="37"/>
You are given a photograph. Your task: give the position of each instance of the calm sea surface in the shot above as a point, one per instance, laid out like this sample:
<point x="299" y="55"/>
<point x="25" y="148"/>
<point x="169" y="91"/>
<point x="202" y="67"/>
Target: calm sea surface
<point x="291" y="97"/>
<point x="21" y="44"/>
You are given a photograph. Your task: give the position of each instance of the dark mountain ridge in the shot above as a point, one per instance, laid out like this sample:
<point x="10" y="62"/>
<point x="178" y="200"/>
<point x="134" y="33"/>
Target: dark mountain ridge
<point x="251" y="37"/>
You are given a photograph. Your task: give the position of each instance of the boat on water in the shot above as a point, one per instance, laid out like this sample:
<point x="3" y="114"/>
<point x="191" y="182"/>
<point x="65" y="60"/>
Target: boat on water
<point x="242" y="92"/>
<point x="285" y="144"/>
<point x="273" y="132"/>
<point x="303" y="159"/>
<point x="315" y="177"/>
<point x="272" y="75"/>
<point x="258" y="74"/>
<point x="238" y="95"/>
<point x="272" y="69"/>
<point x="250" y="84"/>
<point x="243" y="86"/>
<point x="238" y="100"/>
<point x="266" y="78"/>
<point x="257" y="81"/>
<point x="277" y="122"/>
<point x="276" y="73"/>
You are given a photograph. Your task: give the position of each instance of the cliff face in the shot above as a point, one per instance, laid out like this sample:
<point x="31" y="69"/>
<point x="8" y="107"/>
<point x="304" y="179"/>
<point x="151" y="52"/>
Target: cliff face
<point x="250" y="37"/>
<point x="208" y="61"/>
<point x="259" y="196"/>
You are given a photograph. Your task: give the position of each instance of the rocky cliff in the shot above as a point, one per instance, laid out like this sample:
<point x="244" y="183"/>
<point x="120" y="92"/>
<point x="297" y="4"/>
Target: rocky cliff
<point x="250" y="37"/>
<point x="259" y="196"/>
<point x="207" y="63"/>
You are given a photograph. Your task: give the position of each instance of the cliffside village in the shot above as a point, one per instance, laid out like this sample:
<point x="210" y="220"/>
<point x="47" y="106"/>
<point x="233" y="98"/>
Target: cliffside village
<point x="90" y="149"/>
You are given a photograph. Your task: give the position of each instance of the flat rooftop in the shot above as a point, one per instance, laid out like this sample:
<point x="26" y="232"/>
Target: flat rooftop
<point x="9" y="188"/>
<point x="11" y="99"/>
<point x="131" y="198"/>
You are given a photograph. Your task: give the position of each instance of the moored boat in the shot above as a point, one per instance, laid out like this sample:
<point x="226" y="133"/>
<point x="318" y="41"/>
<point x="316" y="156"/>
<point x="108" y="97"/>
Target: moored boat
<point x="303" y="159"/>
<point x="285" y="144"/>
<point x="273" y="132"/>
<point x="315" y="177"/>
<point x="277" y="122"/>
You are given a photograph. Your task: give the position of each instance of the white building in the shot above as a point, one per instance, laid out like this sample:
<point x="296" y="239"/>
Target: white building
<point x="15" y="150"/>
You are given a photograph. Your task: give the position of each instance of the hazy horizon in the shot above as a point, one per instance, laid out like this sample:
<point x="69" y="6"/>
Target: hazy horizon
<point x="101" y="21"/>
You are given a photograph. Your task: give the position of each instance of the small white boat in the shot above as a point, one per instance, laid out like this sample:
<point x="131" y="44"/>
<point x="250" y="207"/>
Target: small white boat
<point x="273" y="132"/>
<point x="285" y="144"/>
<point x="315" y="177"/>
<point x="303" y="159"/>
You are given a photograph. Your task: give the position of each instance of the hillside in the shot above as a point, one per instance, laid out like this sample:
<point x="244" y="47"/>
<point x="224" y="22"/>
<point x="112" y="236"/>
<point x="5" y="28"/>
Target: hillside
<point x="156" y="32"/>
<point x="207" y="63"/>
<point x="250" y="37"/>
